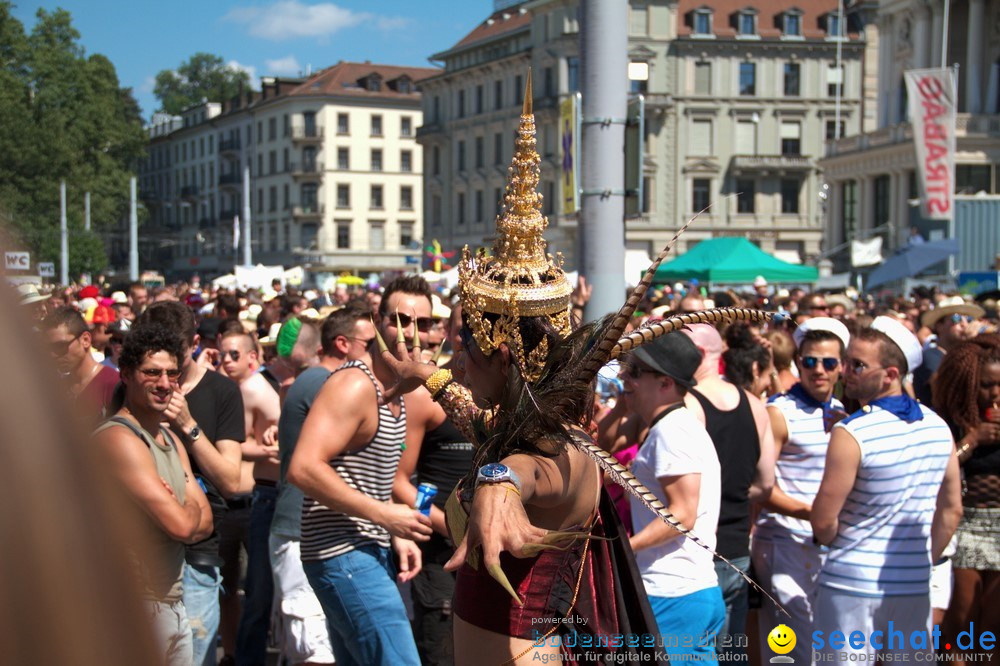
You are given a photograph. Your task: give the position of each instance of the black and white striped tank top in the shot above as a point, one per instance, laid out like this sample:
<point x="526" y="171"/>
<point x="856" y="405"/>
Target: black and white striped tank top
<point x="327" y="533"/>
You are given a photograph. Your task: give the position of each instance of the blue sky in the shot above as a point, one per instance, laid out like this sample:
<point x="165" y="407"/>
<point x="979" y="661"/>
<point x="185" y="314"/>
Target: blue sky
<point x="265" y="37"/>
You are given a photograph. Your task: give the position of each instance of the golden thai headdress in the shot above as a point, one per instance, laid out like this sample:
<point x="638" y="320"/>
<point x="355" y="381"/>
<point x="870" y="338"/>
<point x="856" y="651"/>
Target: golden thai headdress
<point x="520" y="279"/>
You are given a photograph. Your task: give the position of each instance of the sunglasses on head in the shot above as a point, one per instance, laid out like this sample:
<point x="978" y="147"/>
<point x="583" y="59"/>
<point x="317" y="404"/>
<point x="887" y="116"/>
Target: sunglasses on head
<point x="59" y="349"/>
<point x="829" y="363"/>
<point x="232" y="353"/>
<point x="961" y="319"/>
<point x="156" y="373"/>
<point x="423" y="323"/>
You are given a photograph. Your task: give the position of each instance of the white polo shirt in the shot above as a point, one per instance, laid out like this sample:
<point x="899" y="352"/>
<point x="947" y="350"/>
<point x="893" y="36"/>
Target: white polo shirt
<point x="677" y="445"/>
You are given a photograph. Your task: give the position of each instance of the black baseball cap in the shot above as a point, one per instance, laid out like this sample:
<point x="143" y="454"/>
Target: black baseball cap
<point x="674" y="355"/>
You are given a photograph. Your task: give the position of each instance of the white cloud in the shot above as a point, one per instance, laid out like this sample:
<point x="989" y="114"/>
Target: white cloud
<point x="287" y="66"/>
<point x="291" y="19"/>
<point x="148" y="84"/>
<point x="240" y="67"/>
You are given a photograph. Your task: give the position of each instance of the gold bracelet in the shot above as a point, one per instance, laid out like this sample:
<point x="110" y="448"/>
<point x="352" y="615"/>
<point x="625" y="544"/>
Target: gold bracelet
<point x="437" y="381"/>
<point x="963" y="449"/>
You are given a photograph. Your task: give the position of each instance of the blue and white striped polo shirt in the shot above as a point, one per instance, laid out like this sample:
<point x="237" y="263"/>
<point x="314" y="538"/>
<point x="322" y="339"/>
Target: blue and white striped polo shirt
<point x="882" y="548"/>
<point x="799" y="468"/>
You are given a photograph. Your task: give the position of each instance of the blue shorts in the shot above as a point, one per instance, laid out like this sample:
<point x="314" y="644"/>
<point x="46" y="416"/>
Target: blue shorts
<point x="690" y="624"/>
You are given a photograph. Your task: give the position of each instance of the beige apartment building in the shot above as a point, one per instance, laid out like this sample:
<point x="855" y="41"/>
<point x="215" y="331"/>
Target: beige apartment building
<point x="739" y="97"/>
<point x="335" y="174"/>
<point x="872" y="177"/>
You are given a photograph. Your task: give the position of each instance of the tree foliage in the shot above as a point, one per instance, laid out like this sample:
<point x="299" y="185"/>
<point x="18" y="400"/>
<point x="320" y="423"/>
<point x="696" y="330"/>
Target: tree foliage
<point x="203" y="76"/>
<point x="65" y="117"/>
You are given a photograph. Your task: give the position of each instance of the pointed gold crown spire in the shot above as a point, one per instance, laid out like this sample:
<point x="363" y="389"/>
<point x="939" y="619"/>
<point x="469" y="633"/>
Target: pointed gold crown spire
<point x="520" y="280"/>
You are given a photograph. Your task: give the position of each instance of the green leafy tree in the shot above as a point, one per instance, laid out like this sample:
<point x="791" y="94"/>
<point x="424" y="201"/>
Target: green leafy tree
<point x="203" y="76"/>
<point x="65" y="117"/>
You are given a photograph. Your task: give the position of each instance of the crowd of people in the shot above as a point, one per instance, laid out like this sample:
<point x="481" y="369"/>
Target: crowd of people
<point x="274" y="448"/>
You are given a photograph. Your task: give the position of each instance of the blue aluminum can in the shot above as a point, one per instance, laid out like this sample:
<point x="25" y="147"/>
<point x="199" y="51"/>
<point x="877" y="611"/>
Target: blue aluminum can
<point x="425" y="496"/>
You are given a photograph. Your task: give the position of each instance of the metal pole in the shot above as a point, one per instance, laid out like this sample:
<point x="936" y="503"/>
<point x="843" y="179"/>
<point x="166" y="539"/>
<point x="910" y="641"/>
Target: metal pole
<point x="944" y="38"/>
<point x="63" y="237"/>
<point x="840" y="67"/>
<point x="133" y="233"/>
<point x="86" y="211"/>
<point x="246" y="217"/>
<point x="604" y="52"/>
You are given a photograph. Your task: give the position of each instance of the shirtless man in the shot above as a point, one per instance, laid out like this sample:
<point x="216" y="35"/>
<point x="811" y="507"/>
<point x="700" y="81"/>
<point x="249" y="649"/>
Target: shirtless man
<point x="344" y="463"/>
<point x="259" y="474"/>
<point x="741" y="431"/>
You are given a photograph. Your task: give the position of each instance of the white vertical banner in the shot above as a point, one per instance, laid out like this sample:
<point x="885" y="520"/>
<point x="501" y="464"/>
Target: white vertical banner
<point x="236" y="232"/>
<point x="932" y="100"/>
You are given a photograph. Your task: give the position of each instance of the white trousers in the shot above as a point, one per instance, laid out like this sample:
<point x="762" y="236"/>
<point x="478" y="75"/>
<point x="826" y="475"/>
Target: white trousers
<point x="844" y="612"/>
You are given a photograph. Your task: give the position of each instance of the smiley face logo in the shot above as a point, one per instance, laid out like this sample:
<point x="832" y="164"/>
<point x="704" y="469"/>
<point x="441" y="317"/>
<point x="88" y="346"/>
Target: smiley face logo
<point x="781" y="639"/>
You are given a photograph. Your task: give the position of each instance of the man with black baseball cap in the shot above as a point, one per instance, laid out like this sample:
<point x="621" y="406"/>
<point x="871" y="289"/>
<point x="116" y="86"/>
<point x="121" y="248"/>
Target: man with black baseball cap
<point x="678" y="462"/>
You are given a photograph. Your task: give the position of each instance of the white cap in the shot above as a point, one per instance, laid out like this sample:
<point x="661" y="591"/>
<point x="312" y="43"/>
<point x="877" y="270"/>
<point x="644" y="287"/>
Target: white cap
<point x="759" y="281"/>
<point x="901" y="336"/>
<point x="822" y="324"/>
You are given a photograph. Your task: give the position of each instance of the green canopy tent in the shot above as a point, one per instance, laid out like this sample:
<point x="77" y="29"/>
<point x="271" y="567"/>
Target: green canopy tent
<point x="731" y="259"/>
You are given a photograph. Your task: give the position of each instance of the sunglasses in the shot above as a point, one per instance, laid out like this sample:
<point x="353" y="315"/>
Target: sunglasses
<point x="634" y="371"/>
<point x="59" y="349"/>
<point x="232" y="353"/>
<point x="829" y="363"/>
<point x="961" y="319"/>
<point x="822" y="308"/>
<point x="423" y="323"/>
<point x="156" y="373"/>
<point x="858" y="367"/>
<point x="365" y="342"/>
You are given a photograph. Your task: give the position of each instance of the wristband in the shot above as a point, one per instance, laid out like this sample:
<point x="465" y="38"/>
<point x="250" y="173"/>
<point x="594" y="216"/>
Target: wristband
<point x="437" y="381"/>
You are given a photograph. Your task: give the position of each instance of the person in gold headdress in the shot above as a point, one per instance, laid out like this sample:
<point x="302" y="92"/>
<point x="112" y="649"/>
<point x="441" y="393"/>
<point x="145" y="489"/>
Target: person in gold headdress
<point x="530" y="515"/>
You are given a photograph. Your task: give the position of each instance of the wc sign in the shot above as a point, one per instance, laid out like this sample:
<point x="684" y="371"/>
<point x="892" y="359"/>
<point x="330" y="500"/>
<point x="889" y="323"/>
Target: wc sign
<point x="17" y="261"/>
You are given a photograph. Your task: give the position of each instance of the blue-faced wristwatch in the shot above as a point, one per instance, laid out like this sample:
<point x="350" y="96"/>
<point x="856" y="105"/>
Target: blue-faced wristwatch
<point x="497" y="473"/>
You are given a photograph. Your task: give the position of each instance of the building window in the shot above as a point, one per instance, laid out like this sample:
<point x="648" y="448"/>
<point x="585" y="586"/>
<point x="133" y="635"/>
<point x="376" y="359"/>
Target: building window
<point x="791" y="138"/>
<point x="745" y="191"/>
<point x="550" y="82"/>
<point x="286" y="129"/>
<point x="460" y="212"/>
<point x="436" y="210"/>
<point x="793" y="24"/>
<point x="701" y="137"/>
<point x="479" y="206"/>
<point x="461" y="103"/>
<point x="638" y="20"/>
<point x="343" y="196"/>
<point x="702" y="22"/>
<point x="461" y="155"/>
<point x="849" y="215"/>
<point x="831" y="130"/>
<point x="376" y="236"/>
<point x="376" y="159"/>
<point x="834" y="81"/>
<point x="746" y="137"/>
<point x="260" y="134"/>
<point x="406" y="235"/>
<point x="791" y="79"/>
<point x="406" y="126"/>
<point x="638" y="77"/>
<point x="790" y="195"/>
<point x="272" y="162"/>
<point x="285" y="199"/>
<point x="518" y="90"/>
<point x="272" y="132"/>
<point x="479" y="152"/>
<point x="703" y="78"/>
<point x="406" y="160"/>
<point x="309" y="236"/>
<point x="572" y="74"/>
<point x="406" y="197"/>
<point x="343" y="234"/>
<point x="436" y="109"/>
<point x="701" y="192"/>
<point x="344" y="159"/>
<point x="479" y="99"/>
<point x="497" y="95"/>
<point x="376" y="197"/>
<point x="498" y="148"/>
<point x="272" y="198"/>
<point x="376" y="125"/>
<point x="309" y="196"/>
<point x="343" y="126"/>
<point x="972" y="178"/>
<point x="748" y="78"/>
<point x="880" y="200"/>
<point x="747" y="22"/>
<point x="260" y="200"/>
<point x="833" y="25"/>
<point x="436" y="161"/>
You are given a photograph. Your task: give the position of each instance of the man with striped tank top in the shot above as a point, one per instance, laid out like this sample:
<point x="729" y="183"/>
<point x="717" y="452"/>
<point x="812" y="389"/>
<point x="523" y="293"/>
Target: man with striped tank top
<point x="344" y="463"/>
<point x="889" y="502"/>
<point x="785" y="558"/>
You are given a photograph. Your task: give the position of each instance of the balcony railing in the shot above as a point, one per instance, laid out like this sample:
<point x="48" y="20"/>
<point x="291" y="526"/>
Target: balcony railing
<point x="307" y="133"/>
<point x="967" y="126"/>
<point x="230" y="179"/>
<point x="306" y="169"/>
<point x="771" y="162"/>
<point x="229" y="146"/>
<point x="307" y="211"/>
